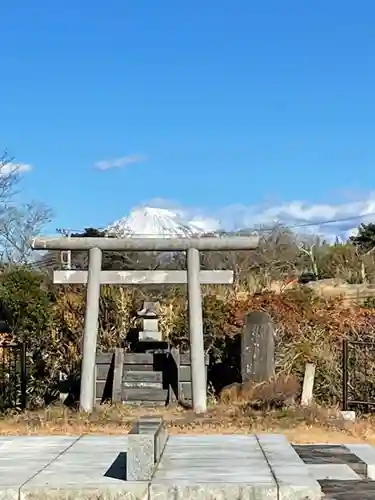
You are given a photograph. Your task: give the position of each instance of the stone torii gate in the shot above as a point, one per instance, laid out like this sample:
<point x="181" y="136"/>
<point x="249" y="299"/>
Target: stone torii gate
<point x="94" y="277"/>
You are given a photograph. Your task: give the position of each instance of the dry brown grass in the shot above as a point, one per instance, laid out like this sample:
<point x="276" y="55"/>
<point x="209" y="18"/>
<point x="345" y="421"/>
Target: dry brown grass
<point x="297" y="424"/>
<point x="278" y="392"/>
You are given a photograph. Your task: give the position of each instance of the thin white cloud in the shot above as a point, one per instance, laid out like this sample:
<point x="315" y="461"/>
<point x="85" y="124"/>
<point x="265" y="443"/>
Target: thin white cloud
<point x="328" y="220"/>
<point x="121" y="162"/>
<point x="14" y="168"/>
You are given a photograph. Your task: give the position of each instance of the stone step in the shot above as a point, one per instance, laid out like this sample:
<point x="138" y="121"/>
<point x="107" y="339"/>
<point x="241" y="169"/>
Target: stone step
<point x="144" y="394"/>
<point x="145" y="404"/>
<point x="142" y="376"/>
<point x="142" y="385"/>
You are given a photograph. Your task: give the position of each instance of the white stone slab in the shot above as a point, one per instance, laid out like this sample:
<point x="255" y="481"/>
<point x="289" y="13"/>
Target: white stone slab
<point x="366" y="453"/>
<point x="216" y="459"/>
<point x="98" y="460"/>
<point x="292" y="475"/>
<point x="340" y="472"/>
<point x="23" y="457"/>
<point x="143" y="277"/>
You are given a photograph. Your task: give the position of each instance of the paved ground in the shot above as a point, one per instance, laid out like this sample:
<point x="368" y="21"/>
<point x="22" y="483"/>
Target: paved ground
<point x="245" y="467"/>
<point x="344" y="472"/>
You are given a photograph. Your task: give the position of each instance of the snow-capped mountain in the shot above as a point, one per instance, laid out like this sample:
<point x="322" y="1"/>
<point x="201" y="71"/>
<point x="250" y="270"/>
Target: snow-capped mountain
<point x="154" y="223"/>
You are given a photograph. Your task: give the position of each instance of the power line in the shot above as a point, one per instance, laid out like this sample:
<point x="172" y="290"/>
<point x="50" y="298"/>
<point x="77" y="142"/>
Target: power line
<point x="332" y="221"/>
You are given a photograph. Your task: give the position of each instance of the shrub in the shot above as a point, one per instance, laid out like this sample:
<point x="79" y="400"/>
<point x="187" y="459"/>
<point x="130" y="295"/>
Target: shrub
<point x="28" y="302"/>
<point x="278" y="392"/>
<point x="308" y="329"/>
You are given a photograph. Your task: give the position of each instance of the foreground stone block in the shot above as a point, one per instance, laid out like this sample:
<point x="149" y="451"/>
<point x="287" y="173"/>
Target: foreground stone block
<point x="207" y="491"/>
<point x="140" y="457"/>
<point x="126" y="491"/>
<point x="159" y="430"/>
<point x="146" y="443"/>
<point x="9" y="492"/>
<point x="295" y="481"/>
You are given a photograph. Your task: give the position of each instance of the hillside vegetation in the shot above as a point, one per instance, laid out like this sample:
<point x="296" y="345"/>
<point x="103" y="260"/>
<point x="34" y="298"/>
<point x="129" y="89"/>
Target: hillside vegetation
<point x="309" y="327"/>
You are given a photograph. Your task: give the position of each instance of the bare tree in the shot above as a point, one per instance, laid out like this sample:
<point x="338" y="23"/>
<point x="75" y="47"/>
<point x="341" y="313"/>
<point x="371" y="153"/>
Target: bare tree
<point x="309" y="250"/>
<point x="18" y="227"/>
<point x="9" y="179"/>
<point x="276" y="259"/>
<point x="18" y="223"/>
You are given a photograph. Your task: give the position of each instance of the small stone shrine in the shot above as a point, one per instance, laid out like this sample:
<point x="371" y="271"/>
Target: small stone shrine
<point x="149" y="315"/>
<point x="152" y="374"/>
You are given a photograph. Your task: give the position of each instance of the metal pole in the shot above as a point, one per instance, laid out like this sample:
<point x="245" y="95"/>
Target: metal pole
<point x="198" y="368"/>
<point x="23" y="376"/>
<point x="345" y="381"/>
<point x="91" y="330"/>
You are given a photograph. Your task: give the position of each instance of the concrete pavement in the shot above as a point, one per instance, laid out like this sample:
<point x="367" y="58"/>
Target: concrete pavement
<point x="209" y="467"/>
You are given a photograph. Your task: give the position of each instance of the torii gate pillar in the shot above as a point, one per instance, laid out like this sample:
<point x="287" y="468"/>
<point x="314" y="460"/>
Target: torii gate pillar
<point x="198" y="369"/>
<point x="90" y="332"/>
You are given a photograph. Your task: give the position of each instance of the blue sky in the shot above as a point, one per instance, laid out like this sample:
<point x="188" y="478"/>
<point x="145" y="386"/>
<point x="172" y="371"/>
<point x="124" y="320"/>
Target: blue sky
<point x="217" y="106"/>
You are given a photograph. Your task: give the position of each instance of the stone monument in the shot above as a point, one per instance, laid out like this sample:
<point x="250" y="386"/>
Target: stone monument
<point x="258" y="347"/>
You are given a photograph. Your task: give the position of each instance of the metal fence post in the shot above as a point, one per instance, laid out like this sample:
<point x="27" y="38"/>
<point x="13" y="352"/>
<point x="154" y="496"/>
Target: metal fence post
<point x="345" y="381"/>
<point x="23" y="375"/>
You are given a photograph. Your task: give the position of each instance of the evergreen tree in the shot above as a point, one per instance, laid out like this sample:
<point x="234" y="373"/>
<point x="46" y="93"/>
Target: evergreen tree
<point x="365" y="239"/>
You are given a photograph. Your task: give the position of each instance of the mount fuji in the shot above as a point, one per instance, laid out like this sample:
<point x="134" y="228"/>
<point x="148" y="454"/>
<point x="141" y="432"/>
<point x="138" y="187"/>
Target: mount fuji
<point x="148" y="222"/>
<point x="153" y="222"/>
